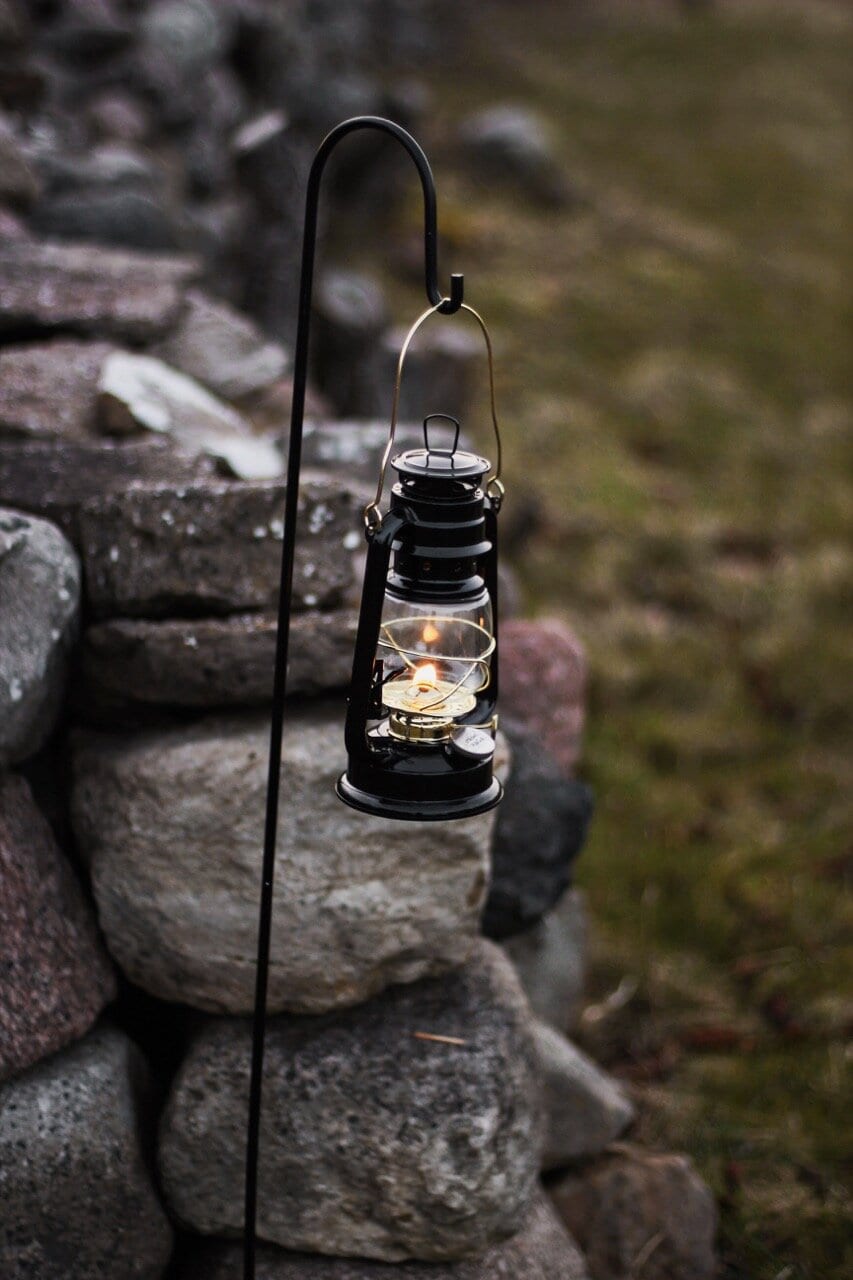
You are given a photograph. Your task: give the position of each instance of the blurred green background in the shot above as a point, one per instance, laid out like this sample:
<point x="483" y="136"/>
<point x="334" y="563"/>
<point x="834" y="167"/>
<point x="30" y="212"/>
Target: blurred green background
<point x="675" y="385"/>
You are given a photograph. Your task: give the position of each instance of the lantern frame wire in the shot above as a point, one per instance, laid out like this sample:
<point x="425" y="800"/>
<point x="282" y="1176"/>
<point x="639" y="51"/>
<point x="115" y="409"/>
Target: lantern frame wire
<point x="439" y="303"/>
<point x="494" y="485"/>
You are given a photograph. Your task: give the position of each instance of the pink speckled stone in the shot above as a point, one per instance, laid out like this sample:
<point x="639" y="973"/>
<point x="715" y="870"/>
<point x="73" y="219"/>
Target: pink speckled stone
<point x="543" y="684"/>
<point x="55" y="976"/>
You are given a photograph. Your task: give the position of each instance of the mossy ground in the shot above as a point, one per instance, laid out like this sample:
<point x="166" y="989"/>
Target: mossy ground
<point x="675" y="384"/>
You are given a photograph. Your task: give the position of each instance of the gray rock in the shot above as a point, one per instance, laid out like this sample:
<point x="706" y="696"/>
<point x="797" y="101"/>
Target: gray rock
<point x="118" y="116"/>
<point x="53" y="478"/>
<point x="87" y="30"/>
<point x="19" y="184"/>
<point x="109" y="166"/>
<point x="356" y="447"/>
<point x="632" y="1204"/>
<point x="78" y="1202"/>
<point x="374" y="1142"/>
<point x="128" y="664"/>
<point x="442" y="369"/>
<point x="89" y="289"/>
<point x="171" y="822"/>
<point x="49" y="389"/>
<point x="14" y="24"/>
<point x="542" y="1250"/>
<point x="510" y="144"/>
<point x="215" y="547"/>
<point x="141" y="393"/>
<point x="223" y="349"/>
<point x="185" y="37"/>
<point x="39" y="605"/>
<point x="585" y="1109"/>
<point x="541" y="827"/>
<point x="56" y="975"/>
<point x="351" y="314"/>
<point x="120" y="216"/>
<point x="11" y="226"/>
<point x="550" y="960"/>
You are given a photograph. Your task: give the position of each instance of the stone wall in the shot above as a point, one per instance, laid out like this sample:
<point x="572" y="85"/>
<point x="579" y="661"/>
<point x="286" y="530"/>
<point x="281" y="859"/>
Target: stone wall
<point x="418" y="1075"/>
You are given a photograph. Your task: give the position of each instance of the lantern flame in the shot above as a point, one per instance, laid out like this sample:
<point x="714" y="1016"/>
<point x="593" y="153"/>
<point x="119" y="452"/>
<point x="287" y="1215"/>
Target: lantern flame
<point x="425" y="677"/>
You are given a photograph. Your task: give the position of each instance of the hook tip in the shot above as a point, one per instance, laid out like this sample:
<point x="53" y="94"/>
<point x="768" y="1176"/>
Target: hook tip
<point x="457" y="296"/>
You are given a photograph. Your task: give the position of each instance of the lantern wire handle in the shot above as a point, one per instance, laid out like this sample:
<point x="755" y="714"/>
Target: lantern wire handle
<point x="438" y="302"/>
<point x="494" y="485"/>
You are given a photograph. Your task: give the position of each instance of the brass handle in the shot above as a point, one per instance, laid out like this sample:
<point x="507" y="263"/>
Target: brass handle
<point x="494" y="485"/>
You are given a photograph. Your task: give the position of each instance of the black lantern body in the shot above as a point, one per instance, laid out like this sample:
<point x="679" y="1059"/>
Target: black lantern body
<point x="421" y="718"/>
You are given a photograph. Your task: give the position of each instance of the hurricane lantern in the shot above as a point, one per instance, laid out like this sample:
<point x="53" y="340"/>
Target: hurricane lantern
<point x="420" y="728"/>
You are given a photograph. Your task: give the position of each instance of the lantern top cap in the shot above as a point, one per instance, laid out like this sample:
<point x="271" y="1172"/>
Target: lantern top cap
<point x="440" y="463"/>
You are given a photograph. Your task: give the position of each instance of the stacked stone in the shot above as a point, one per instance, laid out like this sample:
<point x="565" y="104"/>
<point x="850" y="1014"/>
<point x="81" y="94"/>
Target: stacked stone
<point x="181" y="124"/>
<point x="403" y="1112"/>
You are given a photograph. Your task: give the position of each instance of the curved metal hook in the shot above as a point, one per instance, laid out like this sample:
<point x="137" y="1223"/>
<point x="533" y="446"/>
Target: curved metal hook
<point x="448" y="304"/>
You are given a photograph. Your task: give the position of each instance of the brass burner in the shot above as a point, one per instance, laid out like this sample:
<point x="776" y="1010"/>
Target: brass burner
<point x="407" y="728"/>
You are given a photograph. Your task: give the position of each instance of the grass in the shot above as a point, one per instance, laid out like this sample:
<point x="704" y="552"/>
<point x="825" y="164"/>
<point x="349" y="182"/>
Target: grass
<point x="675" y="382"/>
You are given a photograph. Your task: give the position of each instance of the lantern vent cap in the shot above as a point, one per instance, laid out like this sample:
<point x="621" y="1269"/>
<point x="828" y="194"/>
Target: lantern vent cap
<point x="432" y="462"/>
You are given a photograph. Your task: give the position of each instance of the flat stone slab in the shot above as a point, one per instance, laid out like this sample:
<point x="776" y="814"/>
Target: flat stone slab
<point x="39" y="611"/>
<point x="134" y="663"/>
<point x="49" y="389"/>
<point x="78" y="1202"/>
<point x="215" y="547"/>
<point x="53" y="478"/>
<point x="375" y="1141"/>
<point x="222" y="348"/>
<point x="542" y="1250"/>
<point x="56" y="975"/>
<point x="113" y="293"/>
<point x="171" y="822"/>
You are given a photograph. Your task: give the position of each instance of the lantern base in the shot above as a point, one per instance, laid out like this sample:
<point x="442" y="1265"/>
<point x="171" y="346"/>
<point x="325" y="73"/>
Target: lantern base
<point x="419" y="810"/>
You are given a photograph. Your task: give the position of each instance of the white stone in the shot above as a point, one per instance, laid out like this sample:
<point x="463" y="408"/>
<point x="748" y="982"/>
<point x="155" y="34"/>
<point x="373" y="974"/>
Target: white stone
<point x="141" y="393"/>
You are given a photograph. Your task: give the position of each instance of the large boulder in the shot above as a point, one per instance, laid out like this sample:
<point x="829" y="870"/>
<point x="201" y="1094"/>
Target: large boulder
<point x="585" y="1109"/>
<point x="541" y="1250"/>
<point x="633" y="1204"/>
<point x="39" y="606"/>
<point x="89" y="289"/>
<point x="78" y="1200"/>
<point x="405" y="1128"/>
<point x="172" y="824"/>
<point x="215" y="547"/>
<point x="56" y="975"/>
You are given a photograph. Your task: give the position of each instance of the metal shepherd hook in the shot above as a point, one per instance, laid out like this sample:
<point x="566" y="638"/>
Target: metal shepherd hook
<point x="447" y="305"/>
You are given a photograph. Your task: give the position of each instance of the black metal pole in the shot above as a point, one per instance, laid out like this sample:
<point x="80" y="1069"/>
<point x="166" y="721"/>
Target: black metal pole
<point x="294" y="460"/>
